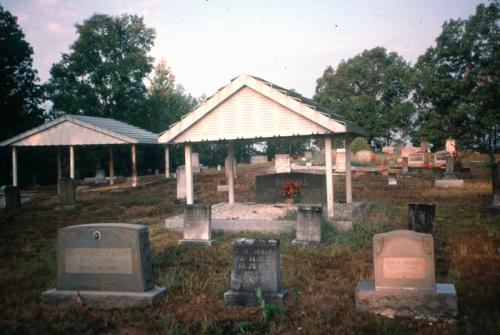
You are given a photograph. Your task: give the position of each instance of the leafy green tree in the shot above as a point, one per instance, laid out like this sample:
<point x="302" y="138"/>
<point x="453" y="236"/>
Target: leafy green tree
<point x="457" y="81"/>
<point x="167" y="102"/>
<point x="104" y="72"/>
<point x="371" y="89"/>
<point x="20" y="94"/>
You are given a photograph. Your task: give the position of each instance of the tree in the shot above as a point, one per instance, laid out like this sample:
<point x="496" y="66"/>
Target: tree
<point x="457" y="87"/>
<point x="371" y="89"/>
<point x="167" y="102"/>
<point x="103" y="74"/>
<point x="20" y="94"/>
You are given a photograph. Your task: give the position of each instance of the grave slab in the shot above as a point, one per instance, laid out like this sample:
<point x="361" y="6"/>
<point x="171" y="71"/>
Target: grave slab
<point x="107" y="265"/>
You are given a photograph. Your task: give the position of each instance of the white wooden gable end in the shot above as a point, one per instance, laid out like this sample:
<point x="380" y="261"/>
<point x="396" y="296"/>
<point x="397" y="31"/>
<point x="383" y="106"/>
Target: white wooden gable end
<point x="249" y="108"/>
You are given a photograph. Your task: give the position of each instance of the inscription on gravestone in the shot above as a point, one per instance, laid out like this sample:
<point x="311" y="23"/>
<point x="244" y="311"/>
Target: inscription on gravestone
<point x="107" y="265"/>
<point x="255" y="264"/>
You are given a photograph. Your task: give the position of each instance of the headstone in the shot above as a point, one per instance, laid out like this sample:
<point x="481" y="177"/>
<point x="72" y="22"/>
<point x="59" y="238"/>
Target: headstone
<point x="449" y="180"/>
<point x="364" y="156"/>
<point x="388" y="150"/>
<point x="255" y="264"/>
<point x="308" y="155"/>
<point x="494" y="209"/>
<point x="181" y="182"/>
<point x="258" y="159"/>
<point x="416" y="160"/>
<point x="404" y="170"/>
<point x="340" y="160"/>
<point x="282" y="164"/>
<point x="219" y="167"/>
<point x="195" y="159"/>
<point x="421" y="217"/>
<point x="405" y="279"/>
<point x="67" y="193"/>
<point x="197" y="225"/>
<point x="157" y="172"/>
<point x="451" y="146"/>
<point x="308" y="225"/>
<point x="392" y="178"/>
<point x="440" y="158"/>
<point x="407" y="151"/>
<point x="269" y="187"/>
<point x="103" y="265"/>
<point x="12" y="197"/>
<point x="100" y="176"/>
<point x="222" y="188"/>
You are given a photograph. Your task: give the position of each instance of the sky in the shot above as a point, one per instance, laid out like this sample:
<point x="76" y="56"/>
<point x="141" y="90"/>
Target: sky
<point x="207" y="42"/>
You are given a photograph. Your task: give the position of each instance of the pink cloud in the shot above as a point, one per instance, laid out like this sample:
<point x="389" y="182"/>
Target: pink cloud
<point x="56" y="28"/>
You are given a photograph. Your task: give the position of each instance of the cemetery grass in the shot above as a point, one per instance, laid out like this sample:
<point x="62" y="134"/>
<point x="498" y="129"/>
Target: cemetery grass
<point x="320" y="281"/>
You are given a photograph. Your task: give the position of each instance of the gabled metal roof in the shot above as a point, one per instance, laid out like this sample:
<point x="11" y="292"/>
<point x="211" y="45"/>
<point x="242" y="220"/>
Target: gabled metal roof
<point x="119" y="131"/>
<point x="196" y="121"/>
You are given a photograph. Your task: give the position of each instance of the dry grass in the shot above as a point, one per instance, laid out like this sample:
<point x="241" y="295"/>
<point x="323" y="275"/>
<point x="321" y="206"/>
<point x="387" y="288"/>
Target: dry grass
<point x="320" y="281"/>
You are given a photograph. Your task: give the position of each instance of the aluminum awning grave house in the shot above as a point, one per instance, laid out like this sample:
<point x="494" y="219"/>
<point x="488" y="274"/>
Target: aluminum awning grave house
<point x="76" y="130"/>
<point x="252" y="108"/>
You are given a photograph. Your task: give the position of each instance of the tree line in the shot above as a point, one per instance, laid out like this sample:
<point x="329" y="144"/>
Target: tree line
<point x="451" y="91"/>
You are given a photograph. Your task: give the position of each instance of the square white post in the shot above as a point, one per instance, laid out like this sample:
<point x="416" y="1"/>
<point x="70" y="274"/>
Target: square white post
<point x="329" y="177"/>
<point x="59" y="172"/>
<point x="71" y="162"/>
<point x="348" y="172"/>
<point x="167" y="162"/>
<point x="14" y="166"/>
<point x="111" y="170"/>
<point x="189" y="174"/>
<point x="134" y="166"/>
<point x="230" y="170"/>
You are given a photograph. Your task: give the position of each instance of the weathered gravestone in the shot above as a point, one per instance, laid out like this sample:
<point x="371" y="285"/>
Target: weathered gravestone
<point x="421" y="217"/>
<point x="404" y="170"/>
<point x="424" y="146"/>
<point x="222" y="188"/>
<point x="364" y="156"/>
<point x="269" y="187"/>
<point x="308" y="155"/>
<point x="181" y="182"/>
<point x="440" y="158"/>
<point x="103" y="265"/>
<point x="494" y="209"/>
<point x="12" y="197"/>
<point x="451" y="146"/>
<point x="255" y="264"/>
<point x="416" y="160"/>
<point x="405" y="280"/>
<point x="392" y="178"/>
<point x="450" y="179"/>
<point x="282" y="164"/>
<point x="197" y="225"/>
<point x="67" y="193"/>
<point x="100" y="176"/>
<point x="308" y="225"/>
<point x="340" y="160"/>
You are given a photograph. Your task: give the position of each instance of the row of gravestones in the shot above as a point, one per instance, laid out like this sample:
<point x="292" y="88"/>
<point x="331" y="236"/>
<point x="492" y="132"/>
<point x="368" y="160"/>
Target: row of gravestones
<point x="108" y="266"/>
<point x="449" y="179"/>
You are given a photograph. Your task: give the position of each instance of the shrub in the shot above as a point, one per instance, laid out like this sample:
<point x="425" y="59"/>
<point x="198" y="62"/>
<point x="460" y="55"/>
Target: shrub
<point x="358" y="144"/>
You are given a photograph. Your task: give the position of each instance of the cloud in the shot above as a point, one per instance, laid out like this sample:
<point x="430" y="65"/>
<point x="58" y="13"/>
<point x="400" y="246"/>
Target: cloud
<point x="47" y="2"/>
<point x="56" y="28"/>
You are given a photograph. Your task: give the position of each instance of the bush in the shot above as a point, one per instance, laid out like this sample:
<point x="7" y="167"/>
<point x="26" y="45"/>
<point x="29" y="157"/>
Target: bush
<point x="358" y="144"/>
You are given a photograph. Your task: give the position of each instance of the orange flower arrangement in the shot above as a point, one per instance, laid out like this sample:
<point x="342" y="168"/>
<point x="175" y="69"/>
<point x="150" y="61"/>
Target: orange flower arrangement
<point x="291" y="191"/>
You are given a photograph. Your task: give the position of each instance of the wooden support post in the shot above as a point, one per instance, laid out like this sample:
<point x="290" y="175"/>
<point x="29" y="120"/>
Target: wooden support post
<point x="348" y="172"/>
<point x="111" y="170"/>
<point x="14" y="166"/>
<point x="71" y="162"/>
<point x="167" y="162"/>
<point x="134" y="167"/>
<point x="230" y="170"/>
<point x="329" y="178"/>
<point x="189" y="174"/>
<point x="59" y="172"/>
